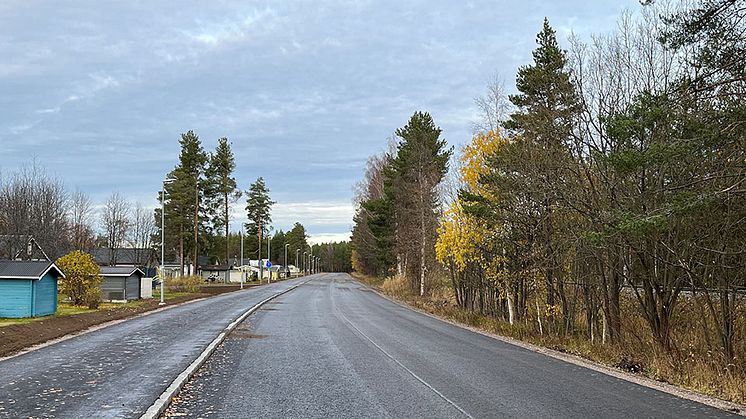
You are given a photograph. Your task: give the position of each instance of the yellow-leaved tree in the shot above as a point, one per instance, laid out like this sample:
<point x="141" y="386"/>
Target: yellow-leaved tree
<point x="474" y="160"/>
<point x="458" y="237"/>
<point x="82" y="282"/>
<point x="462" y="240"/>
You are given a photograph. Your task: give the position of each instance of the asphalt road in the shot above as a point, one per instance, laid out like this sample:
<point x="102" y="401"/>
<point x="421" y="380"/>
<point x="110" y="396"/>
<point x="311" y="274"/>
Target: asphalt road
<point x="333" y="348"/>
<point x="119" y="371"/>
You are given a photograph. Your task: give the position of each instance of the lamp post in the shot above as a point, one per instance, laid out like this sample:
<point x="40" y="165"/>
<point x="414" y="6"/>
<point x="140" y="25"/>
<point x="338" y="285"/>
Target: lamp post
<point x="305" y="263"/>
<point x="242" y="272"/>
<point x="286" y="260"/>
<point x="269" y="256"/>
<point x="163" y="237"/>
<point x="297" y="252"/>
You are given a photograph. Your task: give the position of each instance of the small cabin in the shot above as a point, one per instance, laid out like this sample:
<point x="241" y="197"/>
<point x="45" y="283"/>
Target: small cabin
<point x="121" y="283"/>
<point x="28" y="288"/>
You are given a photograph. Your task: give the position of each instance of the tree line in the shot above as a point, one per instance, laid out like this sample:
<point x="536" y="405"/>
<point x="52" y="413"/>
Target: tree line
<point x="610" y="187"/>
<point x="35" y="204"/>
<point x="199" y="199"/>
<point x="199" y="193"/>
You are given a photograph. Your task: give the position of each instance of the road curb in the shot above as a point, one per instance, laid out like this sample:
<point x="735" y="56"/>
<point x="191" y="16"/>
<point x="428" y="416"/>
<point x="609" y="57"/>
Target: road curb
<point x="671" y="389"/>
<point x="162" y="403"/>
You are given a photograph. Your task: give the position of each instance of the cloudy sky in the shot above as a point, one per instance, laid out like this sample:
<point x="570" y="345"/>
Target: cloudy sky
<point x="98" y="92"/>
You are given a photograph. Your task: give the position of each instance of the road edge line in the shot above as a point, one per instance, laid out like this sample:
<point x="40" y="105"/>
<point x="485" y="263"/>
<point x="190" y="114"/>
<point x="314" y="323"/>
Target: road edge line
<point x="164" y="400"/>
<point x="667" y="388"/>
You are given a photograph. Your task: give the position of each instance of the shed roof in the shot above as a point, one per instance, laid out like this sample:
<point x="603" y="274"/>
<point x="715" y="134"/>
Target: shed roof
<point x="27" y="269"/>
<point x="119" y="271"/>
<point x="124" y="255"/>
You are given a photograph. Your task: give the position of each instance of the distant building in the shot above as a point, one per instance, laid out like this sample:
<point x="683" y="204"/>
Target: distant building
<point x="217" y="273"/>
<point x="144" y="258"/>
<point x="28" y="288"/>
<point x="21" y="247"/>
<point x="121" y="283"/>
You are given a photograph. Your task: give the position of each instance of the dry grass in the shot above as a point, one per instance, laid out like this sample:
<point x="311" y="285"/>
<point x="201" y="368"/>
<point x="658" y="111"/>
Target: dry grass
<point x="188" y="284"/>
<point x="694" y="364"/>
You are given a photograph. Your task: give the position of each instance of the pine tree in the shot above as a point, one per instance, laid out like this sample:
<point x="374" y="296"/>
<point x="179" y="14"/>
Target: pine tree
<point x="184" y="196"/>
<point x="223" y="188"/>
<point x="258" y="210"/>
<point x="419" y="167"/>
<point x="547" y="105"/>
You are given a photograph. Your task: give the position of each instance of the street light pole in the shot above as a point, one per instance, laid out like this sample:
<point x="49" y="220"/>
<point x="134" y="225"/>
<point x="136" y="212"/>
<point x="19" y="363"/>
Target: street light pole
<point x="297" y="252"/>
<point x="305" y="264"/>
<point x="242" y="272"/>
<point x="269" y="257"/>
<point x="286" y="260"/>
<point x="163" y="238"/>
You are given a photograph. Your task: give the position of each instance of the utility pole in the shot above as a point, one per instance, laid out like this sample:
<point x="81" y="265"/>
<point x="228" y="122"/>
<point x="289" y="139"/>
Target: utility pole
<point x="261" y="272"/>
<point x="242" y="270"/>
<point x="297" y="252"/>
<point x="269" y="273"/>
<point x="287" y="270"/>
<point x="163" y="238"/>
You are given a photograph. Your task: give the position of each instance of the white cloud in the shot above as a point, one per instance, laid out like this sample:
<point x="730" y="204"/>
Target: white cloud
<point x="215" y="34"/>
<point x="313" y="213"/>
<point x="329" y="237"/>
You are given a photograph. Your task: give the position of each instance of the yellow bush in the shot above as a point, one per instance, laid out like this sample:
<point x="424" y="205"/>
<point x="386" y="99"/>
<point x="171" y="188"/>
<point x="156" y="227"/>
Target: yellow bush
<point x="82" y="282"/>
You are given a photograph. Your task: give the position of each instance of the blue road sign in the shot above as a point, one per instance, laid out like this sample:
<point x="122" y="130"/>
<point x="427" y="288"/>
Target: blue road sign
<point x="269" y="264"/>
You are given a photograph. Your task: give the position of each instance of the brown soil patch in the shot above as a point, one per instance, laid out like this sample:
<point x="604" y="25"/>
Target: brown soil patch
<point x="15" y="338"/>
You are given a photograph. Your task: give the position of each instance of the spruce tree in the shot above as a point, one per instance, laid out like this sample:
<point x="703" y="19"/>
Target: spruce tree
<point x="297" y="239"/>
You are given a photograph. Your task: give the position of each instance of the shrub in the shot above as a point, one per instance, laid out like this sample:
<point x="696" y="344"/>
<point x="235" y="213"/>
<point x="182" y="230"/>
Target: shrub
<point x="82" y="282"/>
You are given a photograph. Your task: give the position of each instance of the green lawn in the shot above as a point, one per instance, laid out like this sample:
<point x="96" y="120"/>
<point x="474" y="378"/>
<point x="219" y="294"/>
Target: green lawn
<point x="66" y="309"/>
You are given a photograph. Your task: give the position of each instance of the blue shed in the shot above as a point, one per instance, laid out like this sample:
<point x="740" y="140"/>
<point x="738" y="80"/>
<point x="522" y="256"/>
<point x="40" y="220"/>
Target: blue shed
<point x="28" y="288"/>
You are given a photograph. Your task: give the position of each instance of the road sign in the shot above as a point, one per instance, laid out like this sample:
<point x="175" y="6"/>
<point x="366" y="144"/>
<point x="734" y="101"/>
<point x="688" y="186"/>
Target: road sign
<point x="269" y="264"/>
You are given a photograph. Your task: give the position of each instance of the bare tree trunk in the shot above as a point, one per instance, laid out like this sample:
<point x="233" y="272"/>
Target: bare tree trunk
<point x="511" y="308"/>
<point x="422" y="253"/>
<point x="538" y="315"/>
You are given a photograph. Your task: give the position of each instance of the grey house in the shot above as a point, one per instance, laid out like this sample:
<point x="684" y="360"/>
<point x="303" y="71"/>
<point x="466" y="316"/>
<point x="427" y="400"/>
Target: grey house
<point x="120" y="283"/>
